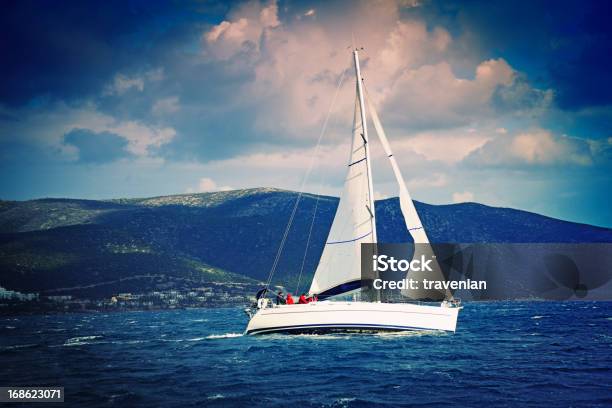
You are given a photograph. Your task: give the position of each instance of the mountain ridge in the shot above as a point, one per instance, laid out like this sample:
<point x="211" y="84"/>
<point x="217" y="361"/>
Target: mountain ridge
<point x="53" y="243"/>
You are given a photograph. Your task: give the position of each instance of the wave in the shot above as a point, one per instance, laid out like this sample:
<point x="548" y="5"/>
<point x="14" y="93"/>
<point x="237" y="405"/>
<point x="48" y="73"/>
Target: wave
<point x="77" y="341"/>
<point x="314" y="336"/>
<point x="18" y="346"/>
<point x="224" y="336"/>
<point x="129" y="341"/>
<point x="413" y="333"/>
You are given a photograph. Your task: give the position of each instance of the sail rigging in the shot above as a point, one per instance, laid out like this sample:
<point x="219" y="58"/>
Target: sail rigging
<point x="339" y="268"/>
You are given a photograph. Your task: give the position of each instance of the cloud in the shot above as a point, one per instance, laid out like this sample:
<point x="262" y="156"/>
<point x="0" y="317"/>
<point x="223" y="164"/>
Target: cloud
<point x="242" y="31"/>
<point x="463" y="197"/>
<point x="48" y="127"/>
<point x="446" y="145"/>
<point x="601" y="150"/>
<point x="431" y="96"/>
<point x="103" y="147"/>
<point x="142" y="139"/>
<point x="207" y="184"/>
<point x="433" y="180"/>
<point x="407" y="65"/>
<point x="537" y="147"/>
<point x="294" y="81"/>
<point x="281" y="169"/>
<point x="165" y="106"/>
<point x="326" y="157"/>
<point x="122" y="83"/>
<point x="520" y="98"/>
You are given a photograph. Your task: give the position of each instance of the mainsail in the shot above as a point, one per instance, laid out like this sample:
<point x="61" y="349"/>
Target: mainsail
<point x="339" y="269"/>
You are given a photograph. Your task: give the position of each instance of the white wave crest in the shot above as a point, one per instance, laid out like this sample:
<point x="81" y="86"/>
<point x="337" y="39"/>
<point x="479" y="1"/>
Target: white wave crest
<point x="224" y="336"/>
<point x="75" y="341"/>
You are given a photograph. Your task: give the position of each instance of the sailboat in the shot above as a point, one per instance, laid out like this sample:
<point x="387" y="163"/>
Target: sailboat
<point x="338" y="274"/>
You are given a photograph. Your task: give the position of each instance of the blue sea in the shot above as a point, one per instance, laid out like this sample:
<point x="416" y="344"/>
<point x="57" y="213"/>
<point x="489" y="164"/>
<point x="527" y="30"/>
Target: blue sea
<point x="553" y="354"/>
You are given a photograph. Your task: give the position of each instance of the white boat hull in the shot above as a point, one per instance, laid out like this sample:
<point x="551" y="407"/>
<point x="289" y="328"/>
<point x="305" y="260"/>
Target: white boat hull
<point x="335" y="316"/>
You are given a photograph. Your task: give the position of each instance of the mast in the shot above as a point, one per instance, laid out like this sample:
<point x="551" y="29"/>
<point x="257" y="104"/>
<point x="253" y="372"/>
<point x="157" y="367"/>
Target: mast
<point x="364" y="127"/>
<point x="339" y="269"/>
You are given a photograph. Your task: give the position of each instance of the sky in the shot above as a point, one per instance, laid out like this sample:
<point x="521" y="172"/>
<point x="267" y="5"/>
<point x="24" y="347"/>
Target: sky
<point x="503" y="103"/>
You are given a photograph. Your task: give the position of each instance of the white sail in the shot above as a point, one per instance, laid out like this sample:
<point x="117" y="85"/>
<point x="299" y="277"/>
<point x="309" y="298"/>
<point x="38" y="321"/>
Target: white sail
<point x="340" y="262"/>
<point x="411" y="217"/>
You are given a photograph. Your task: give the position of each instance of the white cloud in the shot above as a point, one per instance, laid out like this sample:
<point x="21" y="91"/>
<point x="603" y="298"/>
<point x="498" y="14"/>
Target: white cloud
<point x="448" y="145"/>
<point x="295" y="80"/>
<point x="141" y="138"/>
<point x="431" y="96"/>
<point x="463" y="197"/>
<point x="206" y="184"/>
<point x="407" y="65"/>
<point x="536" y="147"/>
<point x="242" y="31"/>
<point x="327" y="157"/>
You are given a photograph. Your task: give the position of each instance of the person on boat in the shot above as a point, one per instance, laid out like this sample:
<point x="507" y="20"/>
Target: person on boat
<point x="261" y="300"/>
<point x="261" y="293"/>
<point x="262" y="303"/>
<point x="302" y="300"/>
<point x="290" y="299"/>
<point x="280" y="300"/>
<point x="312" y="298"/>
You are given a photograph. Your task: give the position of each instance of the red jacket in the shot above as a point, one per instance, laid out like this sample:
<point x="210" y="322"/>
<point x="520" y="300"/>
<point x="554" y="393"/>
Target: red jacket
<point x="290" y="299"/>
<point x="302" y="300"/>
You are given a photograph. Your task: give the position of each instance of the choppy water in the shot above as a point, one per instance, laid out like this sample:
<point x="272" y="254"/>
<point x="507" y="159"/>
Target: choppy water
<point x="503" y="354"/>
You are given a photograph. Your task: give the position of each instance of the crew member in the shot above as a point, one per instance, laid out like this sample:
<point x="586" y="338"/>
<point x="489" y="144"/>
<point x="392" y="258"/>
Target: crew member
<point x="302" y="300"/>
<point x="290" y="299"/>
<point x="280" y="300"/>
